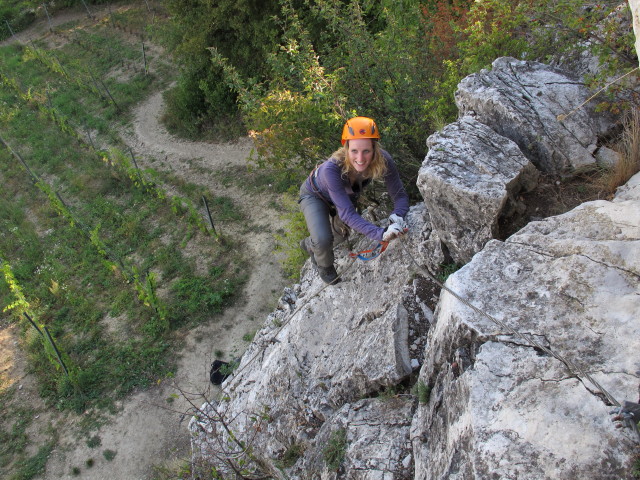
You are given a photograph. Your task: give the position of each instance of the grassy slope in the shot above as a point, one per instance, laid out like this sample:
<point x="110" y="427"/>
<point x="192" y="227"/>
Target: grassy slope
<point x="95" y="250"/>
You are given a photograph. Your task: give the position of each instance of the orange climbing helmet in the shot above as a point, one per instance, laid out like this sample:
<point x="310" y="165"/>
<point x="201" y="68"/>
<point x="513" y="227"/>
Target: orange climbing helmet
<point x="359" y="127"/>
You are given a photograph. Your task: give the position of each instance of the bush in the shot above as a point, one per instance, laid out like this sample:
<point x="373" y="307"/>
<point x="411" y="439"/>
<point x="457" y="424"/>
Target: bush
<point x="629" y="147"/>
<point x="336" y="449"/>
<point x="288" y="243"/>
<point x="18" y="16"/>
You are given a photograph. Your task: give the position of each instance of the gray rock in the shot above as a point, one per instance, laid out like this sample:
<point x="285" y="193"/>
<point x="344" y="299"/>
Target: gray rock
<point x="523" y="100"/>
<point x="376" y="443"/>
<point x="628" y="191"/>
<point x="607" y="157"/>
<point x="525" y="396"/>
<point x="471" y="179"/>
<point x="502" y="406"/>
<point x="339" y="344"/>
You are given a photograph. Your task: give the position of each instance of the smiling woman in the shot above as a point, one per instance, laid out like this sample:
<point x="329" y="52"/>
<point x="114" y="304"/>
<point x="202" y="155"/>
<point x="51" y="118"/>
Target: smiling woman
<point x="328" y="197"/>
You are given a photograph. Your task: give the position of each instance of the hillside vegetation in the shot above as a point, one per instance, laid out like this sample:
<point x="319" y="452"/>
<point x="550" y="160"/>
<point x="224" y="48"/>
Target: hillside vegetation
<point x="105" y="264"/>
<point x="102" y="260"/>
<point x="291" y="71"/>
<point x="300" y="68"/>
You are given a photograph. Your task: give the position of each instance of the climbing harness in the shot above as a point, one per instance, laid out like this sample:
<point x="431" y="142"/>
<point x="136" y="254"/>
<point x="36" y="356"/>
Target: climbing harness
<point x="366" y="255"/>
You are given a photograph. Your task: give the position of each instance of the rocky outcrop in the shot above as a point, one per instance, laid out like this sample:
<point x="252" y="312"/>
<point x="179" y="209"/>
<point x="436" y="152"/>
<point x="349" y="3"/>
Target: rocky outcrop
<point x="375" y="432"/>
<point x="501" y="406"/>
<point x="470" y="181"/>
<point x="325" y="349"/>
<point x="368" y="379"/>
<point x="523" y="101"/>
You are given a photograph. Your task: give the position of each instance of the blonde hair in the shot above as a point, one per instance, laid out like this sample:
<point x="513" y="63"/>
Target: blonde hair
<point x="376" y="169"/>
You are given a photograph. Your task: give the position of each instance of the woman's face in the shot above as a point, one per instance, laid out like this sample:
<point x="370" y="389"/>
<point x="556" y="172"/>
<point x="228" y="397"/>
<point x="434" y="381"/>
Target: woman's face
<point x="361" y="153"/>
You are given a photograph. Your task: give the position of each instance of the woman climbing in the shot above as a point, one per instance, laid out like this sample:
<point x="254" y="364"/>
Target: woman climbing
<point x="329" y="195"/>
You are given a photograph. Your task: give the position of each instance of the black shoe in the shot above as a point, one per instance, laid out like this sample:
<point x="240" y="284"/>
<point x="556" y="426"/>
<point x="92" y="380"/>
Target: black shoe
<point x="329" y="275"/>
<point x="303" y="247"/>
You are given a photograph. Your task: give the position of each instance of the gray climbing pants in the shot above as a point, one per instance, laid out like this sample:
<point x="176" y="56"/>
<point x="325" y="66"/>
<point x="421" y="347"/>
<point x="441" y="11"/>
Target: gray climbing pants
<point x="325" y="230"/>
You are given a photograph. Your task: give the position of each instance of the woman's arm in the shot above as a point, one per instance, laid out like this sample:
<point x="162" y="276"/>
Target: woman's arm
<point x="331" y="179"/>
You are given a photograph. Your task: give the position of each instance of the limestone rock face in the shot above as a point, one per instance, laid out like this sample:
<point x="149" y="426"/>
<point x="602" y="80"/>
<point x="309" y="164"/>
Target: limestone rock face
<point x="376" y="442"/>
<point x="522" y="101"/>
<point x="471" y="179"/>
<point x="324" y="349"/>
<point x="501" y="406"/>
<point x="369" y="379"/>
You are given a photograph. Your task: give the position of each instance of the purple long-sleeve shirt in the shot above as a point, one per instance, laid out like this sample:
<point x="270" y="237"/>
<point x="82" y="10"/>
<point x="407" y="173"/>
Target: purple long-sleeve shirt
<point x="337" y="189"/>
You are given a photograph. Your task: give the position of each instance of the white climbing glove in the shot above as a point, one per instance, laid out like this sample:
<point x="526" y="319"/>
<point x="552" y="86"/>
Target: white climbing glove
<point x="392" y="231"/>
<point x="398" y="219"/>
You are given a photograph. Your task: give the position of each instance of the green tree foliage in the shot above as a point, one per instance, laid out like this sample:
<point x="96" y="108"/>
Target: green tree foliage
<point x="242" y="30"/>
<point x="16" y="15"/>
<point x="363" y="61"/>
<point x="319" y="62"/>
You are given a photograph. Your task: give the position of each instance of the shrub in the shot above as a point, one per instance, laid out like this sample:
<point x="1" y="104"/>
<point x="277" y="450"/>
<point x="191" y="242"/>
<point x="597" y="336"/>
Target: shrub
<point x="629" y="149"/>
<point x="18" y="16"/>
<point x="336" y="449"/>
<point x="109" y="454"/>
<point x="291" y="456"/>
<point x="288" y="243"/>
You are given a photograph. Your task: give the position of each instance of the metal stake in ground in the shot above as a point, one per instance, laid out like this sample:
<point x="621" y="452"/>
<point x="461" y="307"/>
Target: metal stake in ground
<point x="10" y="30"/>
<point x="34" y="178"/>
<point x="144" y="58"/>
<point x="110" y="96"/>
<point x="87" y="8"/>
<point x="135" y="164"/>
<point x="206" y="206"/>
<point x="55" y="349"/>
<point x="90" y="139"/>
<point x="48" y="17"/>
<point x="34" y="324"/>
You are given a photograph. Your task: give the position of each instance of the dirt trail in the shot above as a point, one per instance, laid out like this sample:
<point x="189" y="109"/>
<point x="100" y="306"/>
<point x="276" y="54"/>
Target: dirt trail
<point x="151" y="426"/>
<point x="150" y="429"/>
<point x="40" y="28"/>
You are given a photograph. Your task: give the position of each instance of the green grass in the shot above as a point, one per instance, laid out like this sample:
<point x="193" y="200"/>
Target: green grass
<point x="33" y="466"/>
<point x="115" y="275"/>
<point x="336" y="449"/>
<point x="291" y="456"/>
<point x="447" y="269"/>
<point x="109" y="454"/>
<point x="288" y="241"/>
<point x="13" y="438"/>
<point x="422" y="391"/>
<point x="18" y="14"/>
<point x="94" y="441"/>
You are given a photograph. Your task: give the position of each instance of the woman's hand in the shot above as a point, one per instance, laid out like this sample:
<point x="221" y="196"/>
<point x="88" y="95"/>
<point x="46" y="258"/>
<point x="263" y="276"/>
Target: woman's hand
<point x="392" y="231"/>
<point x="398" y="219"/>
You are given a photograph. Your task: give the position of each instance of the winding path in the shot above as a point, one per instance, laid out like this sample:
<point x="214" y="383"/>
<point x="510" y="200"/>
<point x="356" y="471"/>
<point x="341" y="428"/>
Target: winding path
<point x="151" y="426"/>
<point x="149" y="429"/>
